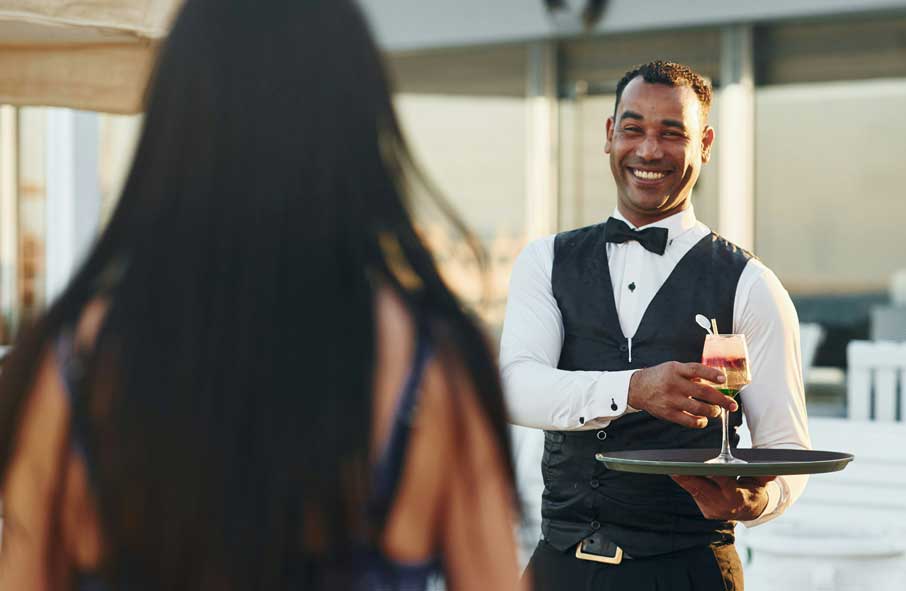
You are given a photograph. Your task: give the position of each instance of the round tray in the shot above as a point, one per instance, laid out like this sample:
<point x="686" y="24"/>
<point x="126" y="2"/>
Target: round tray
<point x="691" y="462"/>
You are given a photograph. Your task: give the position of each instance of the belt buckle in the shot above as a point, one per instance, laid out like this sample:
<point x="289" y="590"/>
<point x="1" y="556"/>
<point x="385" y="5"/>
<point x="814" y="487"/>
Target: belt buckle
<point x="617" y="557"/>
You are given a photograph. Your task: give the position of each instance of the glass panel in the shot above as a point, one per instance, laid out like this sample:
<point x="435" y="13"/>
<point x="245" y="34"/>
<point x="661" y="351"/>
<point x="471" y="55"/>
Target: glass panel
<point x="854" y="48"/>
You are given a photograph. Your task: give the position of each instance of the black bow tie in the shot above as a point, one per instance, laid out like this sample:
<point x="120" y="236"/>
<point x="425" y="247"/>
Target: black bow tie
<point x="653" y="239"/>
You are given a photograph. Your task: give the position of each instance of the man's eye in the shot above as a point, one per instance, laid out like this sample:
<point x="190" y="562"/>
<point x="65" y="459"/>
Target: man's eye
<point x="632" y="130"/>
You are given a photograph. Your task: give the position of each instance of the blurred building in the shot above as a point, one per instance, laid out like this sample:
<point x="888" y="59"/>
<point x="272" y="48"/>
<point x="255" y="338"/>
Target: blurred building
<point x="505" y="103"/>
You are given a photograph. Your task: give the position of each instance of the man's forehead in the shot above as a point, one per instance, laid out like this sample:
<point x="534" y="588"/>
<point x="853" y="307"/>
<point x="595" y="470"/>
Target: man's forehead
<point x="660" y="101"/>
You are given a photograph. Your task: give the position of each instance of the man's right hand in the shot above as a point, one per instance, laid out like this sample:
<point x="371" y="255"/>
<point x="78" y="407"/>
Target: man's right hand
<point x="669" y="391"/>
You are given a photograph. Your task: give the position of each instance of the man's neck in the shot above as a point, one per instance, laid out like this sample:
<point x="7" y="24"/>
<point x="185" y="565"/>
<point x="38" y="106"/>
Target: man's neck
<point x="639" y="220"/>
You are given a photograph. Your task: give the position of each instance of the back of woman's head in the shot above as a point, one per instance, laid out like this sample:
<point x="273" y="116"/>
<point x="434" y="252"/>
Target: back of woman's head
<point x="229" y="394"/>
<point x="264" y="111"/>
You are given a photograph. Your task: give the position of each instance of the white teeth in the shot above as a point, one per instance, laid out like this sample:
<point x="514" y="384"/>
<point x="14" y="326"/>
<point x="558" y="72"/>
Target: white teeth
<point x="648" y="175"/>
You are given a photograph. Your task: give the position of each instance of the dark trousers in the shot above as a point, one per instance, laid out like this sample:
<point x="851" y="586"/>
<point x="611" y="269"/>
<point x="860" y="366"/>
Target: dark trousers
<point x="706" y="568"/>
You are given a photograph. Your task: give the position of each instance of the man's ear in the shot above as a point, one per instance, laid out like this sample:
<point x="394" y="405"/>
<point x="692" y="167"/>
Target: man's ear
<point x="608" y="139"/>
<point x="707" y="142"/>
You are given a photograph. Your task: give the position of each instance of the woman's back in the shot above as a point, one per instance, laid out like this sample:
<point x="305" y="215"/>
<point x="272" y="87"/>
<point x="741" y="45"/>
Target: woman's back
<point x="454" y="496"/>
<point x="452" y="500"/>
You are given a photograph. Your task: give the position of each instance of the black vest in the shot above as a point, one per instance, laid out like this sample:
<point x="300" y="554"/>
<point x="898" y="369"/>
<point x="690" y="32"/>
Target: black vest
<point x="644" y="514"/>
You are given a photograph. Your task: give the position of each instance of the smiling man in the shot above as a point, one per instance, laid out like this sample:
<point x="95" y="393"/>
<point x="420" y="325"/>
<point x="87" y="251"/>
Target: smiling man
<point x="600" y="349"/>
<point x="658" y="140"/>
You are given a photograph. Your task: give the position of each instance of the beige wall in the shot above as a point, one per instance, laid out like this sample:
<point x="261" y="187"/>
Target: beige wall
<point x="830" y="192"/>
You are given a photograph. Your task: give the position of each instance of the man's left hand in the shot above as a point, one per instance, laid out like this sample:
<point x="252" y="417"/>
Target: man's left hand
<point x="726" y="497"/>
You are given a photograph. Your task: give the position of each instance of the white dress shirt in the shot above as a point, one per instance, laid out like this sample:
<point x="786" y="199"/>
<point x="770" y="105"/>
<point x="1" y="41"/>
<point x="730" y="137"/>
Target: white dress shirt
<point x="541" y="396"/>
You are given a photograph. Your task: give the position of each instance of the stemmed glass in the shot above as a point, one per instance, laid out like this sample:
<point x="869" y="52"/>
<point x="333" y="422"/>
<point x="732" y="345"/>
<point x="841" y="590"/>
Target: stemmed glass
<point x="728" y="354"/>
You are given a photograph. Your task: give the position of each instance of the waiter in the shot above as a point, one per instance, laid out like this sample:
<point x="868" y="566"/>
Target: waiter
<point x="600" y="348"/>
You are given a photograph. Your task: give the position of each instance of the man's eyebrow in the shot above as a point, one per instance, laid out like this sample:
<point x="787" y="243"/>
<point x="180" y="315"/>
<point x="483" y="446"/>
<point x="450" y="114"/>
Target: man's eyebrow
<point x="631" y="115"/>
<point x="665" y="122"/>
<point x="674" y="123"/>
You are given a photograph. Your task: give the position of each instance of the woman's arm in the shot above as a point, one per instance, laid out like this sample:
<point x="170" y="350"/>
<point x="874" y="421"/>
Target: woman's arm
<point x="478" y="514"/>
<point x="32" y="487"/>
<point x="49" y="517"/>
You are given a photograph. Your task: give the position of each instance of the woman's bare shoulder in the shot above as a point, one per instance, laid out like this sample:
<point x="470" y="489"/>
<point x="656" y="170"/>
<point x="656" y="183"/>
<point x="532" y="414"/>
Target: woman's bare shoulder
<point x="90" y="322"/>
<point x="42" y="457"/>
<point x="45" y="416"/>
<point x="395" y="351"/>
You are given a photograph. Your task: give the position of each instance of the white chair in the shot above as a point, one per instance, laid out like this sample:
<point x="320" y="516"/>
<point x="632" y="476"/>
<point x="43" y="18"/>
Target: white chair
<point x="848" y="530"/>
<point x="811" y="336"/>
<point x="876" y="384"/>
<point x="888" y="323"/>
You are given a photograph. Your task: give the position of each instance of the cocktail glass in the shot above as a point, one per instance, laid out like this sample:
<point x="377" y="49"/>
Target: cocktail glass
<point x="729" y="354"/>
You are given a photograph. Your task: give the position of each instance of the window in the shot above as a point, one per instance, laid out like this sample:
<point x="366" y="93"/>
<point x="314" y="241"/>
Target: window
<point x="63" y="172"/>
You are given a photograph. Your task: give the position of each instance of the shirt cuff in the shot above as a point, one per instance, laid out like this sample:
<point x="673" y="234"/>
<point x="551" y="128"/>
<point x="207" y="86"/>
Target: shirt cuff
<point x="610" y="397"/>
<point x="777" y="494"/>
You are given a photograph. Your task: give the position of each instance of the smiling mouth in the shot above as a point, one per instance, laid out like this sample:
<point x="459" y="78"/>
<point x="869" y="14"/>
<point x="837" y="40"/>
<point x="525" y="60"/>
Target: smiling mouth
<point x="648" y="175"/>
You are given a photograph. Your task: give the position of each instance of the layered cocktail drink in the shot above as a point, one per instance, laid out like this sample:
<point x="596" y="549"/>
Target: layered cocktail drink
<point x="729" y="354"/>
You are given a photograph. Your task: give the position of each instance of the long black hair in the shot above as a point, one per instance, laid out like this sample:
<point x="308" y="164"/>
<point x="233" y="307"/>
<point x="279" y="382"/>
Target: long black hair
<point x="229" y="393"/>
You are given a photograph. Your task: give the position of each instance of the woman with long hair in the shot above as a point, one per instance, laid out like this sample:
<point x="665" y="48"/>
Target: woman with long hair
<point x="257" y="379"/>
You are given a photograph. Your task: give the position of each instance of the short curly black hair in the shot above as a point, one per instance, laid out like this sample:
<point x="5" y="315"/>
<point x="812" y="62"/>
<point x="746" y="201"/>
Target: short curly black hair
<point x="670" y="74"/>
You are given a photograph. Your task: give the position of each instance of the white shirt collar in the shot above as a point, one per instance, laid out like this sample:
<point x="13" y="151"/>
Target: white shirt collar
<point x="676" y="224"/>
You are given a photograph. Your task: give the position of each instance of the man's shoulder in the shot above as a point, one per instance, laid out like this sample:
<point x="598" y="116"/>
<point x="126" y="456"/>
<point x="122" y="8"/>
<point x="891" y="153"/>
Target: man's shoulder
<point x="538" y="247"/>
<point x="592" y="229"/>
<point x="756" y="276"/>
<point x="725" y="246"/>
<point x="536" y="256"/>
<point x="576" y="236"/>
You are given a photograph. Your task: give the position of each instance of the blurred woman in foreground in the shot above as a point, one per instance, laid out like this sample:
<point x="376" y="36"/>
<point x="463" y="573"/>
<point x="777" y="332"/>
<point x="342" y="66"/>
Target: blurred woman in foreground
<point x="258" y="380"/>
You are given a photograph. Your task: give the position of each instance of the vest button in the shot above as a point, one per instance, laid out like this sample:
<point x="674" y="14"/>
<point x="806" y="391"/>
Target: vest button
<point x="595" y="525"/>
<point x="624" y="348"/>
<point x="594" y="484"/>
<point x="602" y="435"/>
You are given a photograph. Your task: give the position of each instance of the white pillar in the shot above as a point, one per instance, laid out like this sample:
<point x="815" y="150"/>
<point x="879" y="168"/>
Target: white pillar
<point x="542" y="156"/>
<point x="736" y="137"/>
<point x="9" y="217"/>
<point x="73" y="193"/>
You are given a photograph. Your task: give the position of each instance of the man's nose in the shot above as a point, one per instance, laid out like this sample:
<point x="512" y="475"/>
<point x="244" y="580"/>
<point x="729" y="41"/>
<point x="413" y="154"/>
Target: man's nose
<point x="650" y="148"/>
